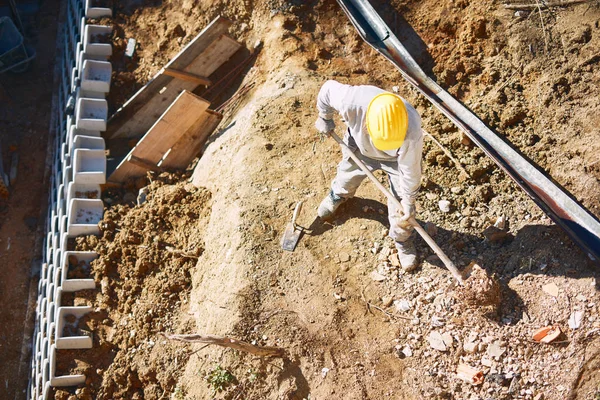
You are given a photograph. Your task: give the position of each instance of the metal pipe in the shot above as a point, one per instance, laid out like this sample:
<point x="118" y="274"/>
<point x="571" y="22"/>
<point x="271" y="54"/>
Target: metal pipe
<point x="555" y="201"/>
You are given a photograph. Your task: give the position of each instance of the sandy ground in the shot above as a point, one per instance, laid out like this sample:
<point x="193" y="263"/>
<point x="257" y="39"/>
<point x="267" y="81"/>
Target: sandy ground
<point x="353" y="326"/>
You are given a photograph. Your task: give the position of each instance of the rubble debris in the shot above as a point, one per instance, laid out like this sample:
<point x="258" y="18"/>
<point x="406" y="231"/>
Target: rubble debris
<point x="479" y="289"/>
<point x="551" y="289"/>
<point x="130" y="49"/>
<point x="436" y="341"/>
<point x="444" y="206"/>
<point x="547" y="334"/>
<point x="575" y="319"/>
<point x="469" y="374"/>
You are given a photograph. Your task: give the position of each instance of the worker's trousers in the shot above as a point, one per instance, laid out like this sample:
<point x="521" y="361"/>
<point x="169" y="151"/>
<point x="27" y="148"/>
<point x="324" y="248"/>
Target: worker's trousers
<point x="350" y="176"/>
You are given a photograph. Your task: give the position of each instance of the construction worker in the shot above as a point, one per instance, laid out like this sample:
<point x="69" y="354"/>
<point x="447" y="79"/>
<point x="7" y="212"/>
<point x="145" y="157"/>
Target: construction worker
<point x="386" y="131"/>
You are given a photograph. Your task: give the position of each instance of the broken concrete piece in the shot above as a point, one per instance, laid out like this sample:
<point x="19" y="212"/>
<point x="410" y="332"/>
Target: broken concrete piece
<point x="436" y="341"/>
<point x="541" y="333"/>
<point x="494" y="350"/>
<point x="402" y="305"/>
<point x="551" y="289"/>
<point x="394" y="260"/>
<point x="377" y="277"/>
<point x="469" y="374"/>
<point x="448" y="339"/>
<point x="407" y="351"/>
<point x="575" y="319"/>
<point x="470" y="347"/>
<point x="344" y="257"/>
<point x="444" y="206"/>
<point x="387" y="301"/>
<point x="130" y="49"/>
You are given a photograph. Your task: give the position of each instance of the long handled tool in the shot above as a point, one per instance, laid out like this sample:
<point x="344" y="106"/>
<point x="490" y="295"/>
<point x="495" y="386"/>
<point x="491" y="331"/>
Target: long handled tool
<point x="438" y="251"/>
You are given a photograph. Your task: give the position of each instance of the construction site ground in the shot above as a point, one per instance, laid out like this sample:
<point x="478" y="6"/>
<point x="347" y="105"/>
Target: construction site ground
<point x="202" y="254"/>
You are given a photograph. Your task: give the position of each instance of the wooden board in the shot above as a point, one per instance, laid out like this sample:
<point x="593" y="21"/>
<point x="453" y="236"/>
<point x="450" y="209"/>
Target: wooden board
<point x="183" y="114"/>
<point x="191" y="143"/>
<point x="201" y="57"/>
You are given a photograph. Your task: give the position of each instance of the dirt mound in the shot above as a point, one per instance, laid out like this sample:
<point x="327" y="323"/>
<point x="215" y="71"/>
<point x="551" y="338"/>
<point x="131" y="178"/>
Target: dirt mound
<point x="143" y="275"/>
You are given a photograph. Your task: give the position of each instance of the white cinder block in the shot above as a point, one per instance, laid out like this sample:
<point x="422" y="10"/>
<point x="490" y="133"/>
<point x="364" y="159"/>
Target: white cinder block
<point x="97" y="40"/>
<point x="84" y="216"/>
<point x="96" y="76"/>
<point x="91" y="114"/>
<point x="89" y="166"/>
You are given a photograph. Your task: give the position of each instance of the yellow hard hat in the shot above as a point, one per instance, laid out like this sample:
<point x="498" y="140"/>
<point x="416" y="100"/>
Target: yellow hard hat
<point x="387" y="121"/>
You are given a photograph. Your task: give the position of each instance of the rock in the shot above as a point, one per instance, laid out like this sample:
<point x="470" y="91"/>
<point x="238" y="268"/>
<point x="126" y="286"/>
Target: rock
<point x="521" y="14"/>
<point x="394" y="260"/>
<point x="431" y="196"/>
<point x="431" y="229"/>
<point x="470" y="347"/>
<point x="436" y="341"/>
<point x="402" y="305"/>
<point x="376" y="248"/>
<point x="551" y="289"/>
<point x="494" y="350"/>
<point x="444" y="206"/>
<point x="324" y="372"/>
<point x="407" y="351"/>
<point x="387" y="301"/>
<point x="448" y="339"/>
<point x="456" y="189"/>
<point x="500" y="222"/>
<point x="575" y="319"/>
<point x="581" y="297"/>
<point x="486" y="362"/>
<point x="539" y="396"/>
<point x="344" y="257"/>
<point x="496" y="235"/>
<point x="377" y="277"/>
<point x="437" y="321"/>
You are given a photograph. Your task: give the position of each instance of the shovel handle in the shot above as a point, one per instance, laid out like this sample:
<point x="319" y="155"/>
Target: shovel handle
<point x="434" y="246"/>
<point x="296" y="212"/>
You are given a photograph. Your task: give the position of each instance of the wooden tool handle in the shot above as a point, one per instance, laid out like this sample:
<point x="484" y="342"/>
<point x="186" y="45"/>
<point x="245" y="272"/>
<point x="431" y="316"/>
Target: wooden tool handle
<point x="434" y="246"/>
<point x="296" y="212"/>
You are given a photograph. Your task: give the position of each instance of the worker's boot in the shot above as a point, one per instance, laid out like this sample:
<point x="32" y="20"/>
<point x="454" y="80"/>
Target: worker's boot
<point x="329" y="205"/>
<point x="407" y="254"/>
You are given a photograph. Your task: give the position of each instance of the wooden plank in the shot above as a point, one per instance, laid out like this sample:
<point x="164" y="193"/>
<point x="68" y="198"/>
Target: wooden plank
<point x="215" y="29"/>
<point x="187" y="76"/>
<point x="205" y="63"/>
<point x="182" y="114"/>
<point x="191" y="143"/>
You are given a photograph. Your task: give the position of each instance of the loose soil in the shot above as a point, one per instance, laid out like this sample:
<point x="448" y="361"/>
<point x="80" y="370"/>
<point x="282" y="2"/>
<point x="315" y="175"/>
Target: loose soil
<point x="354" y="326"/>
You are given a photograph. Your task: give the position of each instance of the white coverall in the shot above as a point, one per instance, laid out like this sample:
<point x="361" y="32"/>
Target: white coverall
<point x="402" y="165"/>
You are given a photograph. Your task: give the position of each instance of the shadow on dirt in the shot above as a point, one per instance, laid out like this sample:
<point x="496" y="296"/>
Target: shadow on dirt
<point x="291" y="369"/>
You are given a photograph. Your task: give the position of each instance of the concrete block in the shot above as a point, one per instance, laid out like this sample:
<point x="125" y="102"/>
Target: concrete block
<point x="89" y="166"/>
<point x="96" y="76"/>
<point x="91" y="114"/>
<point x="83" y="191"/>
<point x="64" y="380"/>
<point x="84" y="216"/>
<point x="75" y="284"/>
<point x="73" y="132"/>
<point x="95" y="11"/>
<point x="88" y="143"/>
<point x="71" y="342"/>
<point x="96" y="40"/>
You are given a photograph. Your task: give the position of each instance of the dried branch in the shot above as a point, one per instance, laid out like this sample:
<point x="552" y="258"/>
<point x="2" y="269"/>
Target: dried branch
<point x="222" y="341"/>
<point x="447" y="153"/>
<point x="546" y="5"/>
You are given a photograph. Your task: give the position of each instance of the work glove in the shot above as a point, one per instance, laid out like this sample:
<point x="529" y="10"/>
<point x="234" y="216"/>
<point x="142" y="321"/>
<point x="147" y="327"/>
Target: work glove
<point x="324" y="126"/>
<point x="408" y="211"/>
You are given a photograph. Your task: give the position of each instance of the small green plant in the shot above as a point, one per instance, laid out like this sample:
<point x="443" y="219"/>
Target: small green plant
<point x="219" y="379"/>
<point x="252" y="375"/>
<point x="179" y="393"/>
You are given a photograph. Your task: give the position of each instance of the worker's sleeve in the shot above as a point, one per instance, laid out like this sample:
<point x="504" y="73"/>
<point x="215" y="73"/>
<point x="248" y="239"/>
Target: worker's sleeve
<point x="409" y="166"/>
<point x="330" y="99"/>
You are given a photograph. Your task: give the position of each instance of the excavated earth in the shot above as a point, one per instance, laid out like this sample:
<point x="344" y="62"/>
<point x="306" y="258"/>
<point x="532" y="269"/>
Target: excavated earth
<point x="202" y="254"/>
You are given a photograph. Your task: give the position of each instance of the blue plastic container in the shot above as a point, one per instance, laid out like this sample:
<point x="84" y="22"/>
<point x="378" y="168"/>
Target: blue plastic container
<point x="13" y="53"/>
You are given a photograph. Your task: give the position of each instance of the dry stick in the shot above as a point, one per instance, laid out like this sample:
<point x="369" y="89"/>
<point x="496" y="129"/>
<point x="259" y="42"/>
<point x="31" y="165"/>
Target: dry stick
<point x="222" y="341"/>
<point x="543" y="26"/>
<point x="548" y="5"/>
<point x="447" y="153"/>
<point x="390" y="315"/>
<point x="412" y="221"/>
